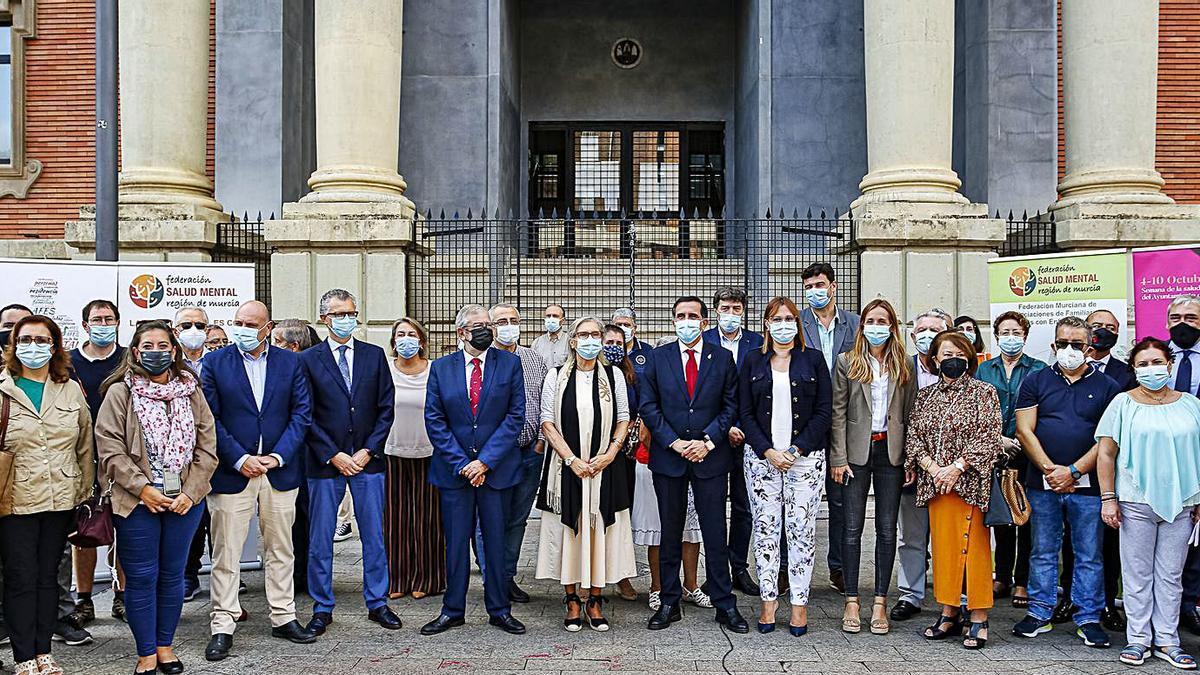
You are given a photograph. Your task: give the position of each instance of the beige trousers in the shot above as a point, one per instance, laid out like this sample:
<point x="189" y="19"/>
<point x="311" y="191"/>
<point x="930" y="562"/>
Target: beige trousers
<point x="231" y="516"/>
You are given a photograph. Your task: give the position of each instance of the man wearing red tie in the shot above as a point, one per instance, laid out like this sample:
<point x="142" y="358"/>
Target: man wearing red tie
<point x="689" y="398"/>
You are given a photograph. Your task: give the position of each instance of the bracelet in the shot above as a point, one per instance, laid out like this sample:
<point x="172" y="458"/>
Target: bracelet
<point x="1108" y="499"/>
<point x="1108" y="494"/>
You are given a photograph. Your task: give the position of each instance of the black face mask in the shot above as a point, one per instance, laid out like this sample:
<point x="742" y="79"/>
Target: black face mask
<point x="953" y="368"/>
<point x="155" y="363"/>
<point x="481" y="338"/>
<point x="1185" y="335"/>
<point x="1103" y="339"/>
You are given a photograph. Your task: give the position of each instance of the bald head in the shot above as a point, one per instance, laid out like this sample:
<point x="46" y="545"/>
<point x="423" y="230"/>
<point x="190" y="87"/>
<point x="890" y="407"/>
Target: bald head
<point x="253" y="314"/>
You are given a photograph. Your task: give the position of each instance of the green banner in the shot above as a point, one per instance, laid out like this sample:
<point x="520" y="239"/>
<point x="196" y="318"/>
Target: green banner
<point x="1065" y="278"/>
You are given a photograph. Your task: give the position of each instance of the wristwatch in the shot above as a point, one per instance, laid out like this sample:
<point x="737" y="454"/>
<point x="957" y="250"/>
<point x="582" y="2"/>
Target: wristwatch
<point x="1075" y="473"/>
<point x="958" y="464"/>
<point x="569" y="461"/>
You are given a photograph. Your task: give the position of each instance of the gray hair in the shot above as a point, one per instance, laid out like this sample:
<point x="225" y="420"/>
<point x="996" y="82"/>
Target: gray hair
<point x="624" y="313"/>
<point x="460" y="320"/>
<point x="335" y="294"/>
<point x="935" y="313"/>
<point x="1073" y="322"/>
<point x="1183" y="300"/>
<point x="293" y="331"/>
<point x="190" y="308"/>
<point x="503" y="305"/>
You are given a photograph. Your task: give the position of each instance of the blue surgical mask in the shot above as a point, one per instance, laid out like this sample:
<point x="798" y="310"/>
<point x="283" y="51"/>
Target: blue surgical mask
<point x="1152" y="377"/>
<point x="729" y="323"/>
<point x="877" y="335"/>
<point x="508" y="335"/>
<point x="245" y="337"/>
<point x="407" y="346"/>
<point x="783" y="332"/>
<point x="551" y="324"/>
<point x="343" y="326"/>
<point x="1011" y="345"/>
<point x="924" y="340"/>
<point x="628" y="330"/>
<point x="817" y="297"/>
<point x="687" y="330"/>
<point x="588" y="347"/>
<point x="33" y="355"/>
<point x="102" y="336"/>
<point x="614" y="354"/>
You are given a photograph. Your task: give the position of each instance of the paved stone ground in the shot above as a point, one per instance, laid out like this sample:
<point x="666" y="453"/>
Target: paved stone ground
<point x="697" y="644"/>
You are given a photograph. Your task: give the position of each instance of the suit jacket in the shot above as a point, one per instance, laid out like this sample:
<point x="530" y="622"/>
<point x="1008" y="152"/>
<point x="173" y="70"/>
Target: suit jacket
<point x="850" y="434"/>
<point x="282" y="424"/>
<point x="811" y="404"/>
<point x="750" y="341"/>
<point x="671" y="415"/>
<point x="348" y="421"/>
<point x="490" y="434"/>
<point x="843" y="331"/>
<point x="1121" y="373"/>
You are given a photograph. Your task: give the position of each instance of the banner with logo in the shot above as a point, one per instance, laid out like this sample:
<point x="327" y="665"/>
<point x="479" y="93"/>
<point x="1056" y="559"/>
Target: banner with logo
<point x="1159" y="276"/>
<point x="1046" y="288"/>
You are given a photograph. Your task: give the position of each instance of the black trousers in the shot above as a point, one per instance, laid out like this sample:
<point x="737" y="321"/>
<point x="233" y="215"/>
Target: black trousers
<point x="739" y="517"/>
<point x="192" y="569"/>
<point x="710" y="494"/>
<point x="1013" y="548"/>
<point x="1111" y="548"/>
<point x="31" y="547"/>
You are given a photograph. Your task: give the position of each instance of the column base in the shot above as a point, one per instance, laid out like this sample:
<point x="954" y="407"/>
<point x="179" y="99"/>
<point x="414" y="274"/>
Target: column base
<point x="926" y="185"/>
<point x="1107" y="225"/>
<point x="152" y="232"/>
<point x="1126" y="186"/>
<point x="341" y="184"/>
<point x="155" y="186"/>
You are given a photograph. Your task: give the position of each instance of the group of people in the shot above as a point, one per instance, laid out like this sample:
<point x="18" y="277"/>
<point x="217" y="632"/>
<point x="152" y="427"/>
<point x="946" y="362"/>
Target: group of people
<point x="722" y="438"/>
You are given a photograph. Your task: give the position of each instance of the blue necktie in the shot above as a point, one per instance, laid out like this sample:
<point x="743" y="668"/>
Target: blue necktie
<point x="343" y="365"/>
<point x="1183" y="374"/>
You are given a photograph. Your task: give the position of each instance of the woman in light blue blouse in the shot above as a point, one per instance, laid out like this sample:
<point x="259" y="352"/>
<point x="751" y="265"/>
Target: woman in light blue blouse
<point x="1149" y="471"/>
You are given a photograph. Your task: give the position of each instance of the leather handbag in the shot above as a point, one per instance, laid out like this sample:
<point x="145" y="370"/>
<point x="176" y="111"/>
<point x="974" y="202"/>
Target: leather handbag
<point x="1008" y="505"/>
<point x="94" y="521"/>
<point x="6" y="457"/>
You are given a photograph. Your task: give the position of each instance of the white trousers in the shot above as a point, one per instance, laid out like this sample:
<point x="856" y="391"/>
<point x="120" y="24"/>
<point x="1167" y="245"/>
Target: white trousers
<point x="788" y="499"/>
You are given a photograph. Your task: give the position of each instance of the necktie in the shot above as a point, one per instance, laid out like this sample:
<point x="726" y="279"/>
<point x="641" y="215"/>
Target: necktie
<point x="1183" y="374"/>
<point x="476" y="383"/>
<point x="691" y="371"/>
<point x="344" y="365"/>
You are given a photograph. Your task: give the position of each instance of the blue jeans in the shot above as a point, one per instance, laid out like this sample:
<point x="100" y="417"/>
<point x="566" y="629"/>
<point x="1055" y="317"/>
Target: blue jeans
<point x="1082" y="512"/>
<point x="154" y="548"/>
<point x="520" y="501"/>
<point x="325" y="494"/>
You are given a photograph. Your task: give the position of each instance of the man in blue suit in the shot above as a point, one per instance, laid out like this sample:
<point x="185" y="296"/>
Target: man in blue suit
<point x="474" y="411"/>
<point x="689" y="398"/>
<point x="353" y="408"/>
<point x="730" y="304"/>
<point x="259" y="397"/>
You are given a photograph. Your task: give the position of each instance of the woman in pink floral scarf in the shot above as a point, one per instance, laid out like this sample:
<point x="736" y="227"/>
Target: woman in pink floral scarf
<point x="156" y="442"/>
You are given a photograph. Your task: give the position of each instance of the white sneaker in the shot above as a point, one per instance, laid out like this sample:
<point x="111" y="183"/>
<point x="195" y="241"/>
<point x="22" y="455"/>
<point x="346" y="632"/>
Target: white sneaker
<point x="698" y="598"/>
<point x="655" y="600"/>
<point x="343" y="532"/>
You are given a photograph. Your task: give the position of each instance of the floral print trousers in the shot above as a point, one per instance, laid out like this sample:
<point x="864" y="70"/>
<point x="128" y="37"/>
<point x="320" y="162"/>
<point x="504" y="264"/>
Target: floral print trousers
<point x="789" y="499"/>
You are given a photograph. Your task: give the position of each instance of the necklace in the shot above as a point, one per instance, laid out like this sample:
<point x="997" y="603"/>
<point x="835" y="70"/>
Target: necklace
<point x="1157" y="398"/>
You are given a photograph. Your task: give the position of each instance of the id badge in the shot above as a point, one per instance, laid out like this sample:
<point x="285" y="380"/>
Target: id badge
<point x="172" y="485"/>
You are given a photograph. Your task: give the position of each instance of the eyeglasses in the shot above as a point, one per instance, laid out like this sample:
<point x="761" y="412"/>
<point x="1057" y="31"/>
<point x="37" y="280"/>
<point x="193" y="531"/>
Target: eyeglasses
<point x="342" y="315"/>
<point x="35" y="339"/>
<point x="1065" y="344"/>
<point x="102" y="321"/>
<point x="216" y="343"/>
<point x="477" y="326"/>
<point x="188" y="325"/>
<point x="775" y="320"/>
<point x="508" y="322"/>
<point x="590" y="334"/>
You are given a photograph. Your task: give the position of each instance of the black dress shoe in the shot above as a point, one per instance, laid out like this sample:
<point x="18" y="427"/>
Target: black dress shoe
<point x="837" y="581"/>
<point x="904" y="610"/>
<point x="515" y="593"/>
<point x="170" y="667"/>
<point x="384" y="616"/>
<point x="744" y="583"/>
<point x="508" y="623"/>
<point x="1189" y="619"/>
<point x="664" y="617"/>
<point x="1112" y="619"/>
<point x="1064" y="611"/>
<point x="319" y="622"/>
<point x="294" y="632"/>
<point x="441" y="624"/>
<point x="733" y="620"/>
<point x="218" y="647"/>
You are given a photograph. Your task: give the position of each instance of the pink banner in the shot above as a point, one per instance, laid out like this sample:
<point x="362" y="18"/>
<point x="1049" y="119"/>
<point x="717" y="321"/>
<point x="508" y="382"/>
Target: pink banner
<point x="1160" y="276"/>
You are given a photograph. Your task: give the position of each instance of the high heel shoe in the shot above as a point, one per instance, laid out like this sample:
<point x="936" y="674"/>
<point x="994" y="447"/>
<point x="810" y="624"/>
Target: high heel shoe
<point x="852" y="624"/>
<point x="880" y="626"/>
<point x="765" y="628"/>
<point x="573" y="625"/>
<point x="973" y="634"/>
<point x="600" y="624"/>
<point x="797" y="631"/>
<point x="935" y="631"/>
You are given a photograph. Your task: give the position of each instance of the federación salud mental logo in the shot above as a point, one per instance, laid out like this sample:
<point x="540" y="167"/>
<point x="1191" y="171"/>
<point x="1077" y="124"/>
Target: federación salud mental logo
<point x="146" y="291"/>
<point x="1022" y="281"/>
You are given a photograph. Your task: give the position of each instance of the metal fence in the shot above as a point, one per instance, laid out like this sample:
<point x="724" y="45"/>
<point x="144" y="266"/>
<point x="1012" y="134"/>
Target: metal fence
<point x="241" y="241"/>
<point x="1029" y="235"/>
<point x="591" y="263"/>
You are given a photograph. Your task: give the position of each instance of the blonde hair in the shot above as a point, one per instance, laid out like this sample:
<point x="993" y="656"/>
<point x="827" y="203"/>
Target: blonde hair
<point x="895" y="360"/>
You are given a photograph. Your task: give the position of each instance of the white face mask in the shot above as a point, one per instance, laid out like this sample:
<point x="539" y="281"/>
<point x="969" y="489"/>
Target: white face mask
<point x="191" y="338"/>
<point x="1069" y="358"/>
<point x="508" y="335"/>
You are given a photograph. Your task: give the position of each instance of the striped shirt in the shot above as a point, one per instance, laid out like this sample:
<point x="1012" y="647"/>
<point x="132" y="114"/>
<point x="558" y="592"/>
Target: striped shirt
<point x="534" y="368"/>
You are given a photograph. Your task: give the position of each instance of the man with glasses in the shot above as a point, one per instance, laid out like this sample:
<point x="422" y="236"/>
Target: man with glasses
<point x="215" y="338"/>
<point x="1058" y="409"/>
<point x="636" y="351"/>
<point x="353" y="405"/>
<point x="191" y="326"/>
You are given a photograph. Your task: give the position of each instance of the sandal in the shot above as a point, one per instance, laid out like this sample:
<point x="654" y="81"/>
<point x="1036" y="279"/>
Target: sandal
<point x="1134" y="655"/>
<point x="600" y="624"/>
<point x="573" y="625"/>
<point x="880" y="626"/>
<point x="973" y="635"/>
<point x="935" y="631"/>
<point x="852" y="625"/>
<point x="1176" y="657"/>
<point x="1020" y="601"/>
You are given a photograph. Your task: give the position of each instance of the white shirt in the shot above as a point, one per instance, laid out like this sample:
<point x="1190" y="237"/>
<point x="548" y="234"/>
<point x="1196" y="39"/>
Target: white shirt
<point x="1103" y="362"/>
<point x="879" y="396"/>
<point x="924" y="377"/>
<point x="683" y="355"/>
<point x="553" y="348"/>
<point x="1194" y="356"/>
<point x="471" y="367"/>
<point x="408" y="437"/>
<point x="111" y="348"/>
<point x="334" y="346"/>
<point x="583" y="392"/>
<point x="781" y="410"/>
<point x="732" y="344"/>
<point x="256" y="372"/>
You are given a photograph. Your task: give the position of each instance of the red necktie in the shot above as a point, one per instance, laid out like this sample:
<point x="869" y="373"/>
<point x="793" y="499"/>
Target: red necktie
<point x="692" y="371"/>
<point x="476" y="383"/>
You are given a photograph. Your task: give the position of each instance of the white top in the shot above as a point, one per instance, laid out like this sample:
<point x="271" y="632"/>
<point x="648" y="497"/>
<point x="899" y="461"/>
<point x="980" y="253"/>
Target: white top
<point x="471" y="367"/>
<point x="924" y="376"/>
<point x="334" y="346"/>
<point x="731" y="344"/>
<point x="583" y="392"/>
<point x="256" y="373"/>
<point x="781" y="410"/>
<point x="683" y="355"/>
<point x="408" y="438"/>
<point x="879" y="396"/>
<point x="554" y="349"/>
<point x="111" y="348"/>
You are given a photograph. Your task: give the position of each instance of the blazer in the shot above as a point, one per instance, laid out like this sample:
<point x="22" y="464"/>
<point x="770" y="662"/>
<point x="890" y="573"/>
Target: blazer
<point x="811" y="405"/>
<point x="122" y="450"/>
<point x="282" y="424"/>
<point x="670" y="415"/>
<point x="750" y="342"/>
<point x="348" y="421"/>
<point x="843" y="331"/>
<point x="1121" y="373"/>
<point x="490" y="434"/>
<point x="850" y="433"/>
<point x="52" y="465"/>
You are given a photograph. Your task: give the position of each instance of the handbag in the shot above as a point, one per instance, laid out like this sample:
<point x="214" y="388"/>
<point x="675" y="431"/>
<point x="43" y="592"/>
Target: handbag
<point x="6" y="457"/>
<point x="93" y="521"/>
<point x="1008" y="505"/>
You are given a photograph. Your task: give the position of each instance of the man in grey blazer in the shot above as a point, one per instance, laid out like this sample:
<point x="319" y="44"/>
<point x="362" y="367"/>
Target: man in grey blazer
<point x="831" y="330"/>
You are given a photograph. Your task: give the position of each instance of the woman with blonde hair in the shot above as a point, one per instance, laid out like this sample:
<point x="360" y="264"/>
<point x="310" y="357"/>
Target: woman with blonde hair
<point x="873" y="390"/>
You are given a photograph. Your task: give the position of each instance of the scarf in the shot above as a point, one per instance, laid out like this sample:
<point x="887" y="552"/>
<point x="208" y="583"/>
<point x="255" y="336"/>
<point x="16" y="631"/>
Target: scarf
<point x="164" y="412"/>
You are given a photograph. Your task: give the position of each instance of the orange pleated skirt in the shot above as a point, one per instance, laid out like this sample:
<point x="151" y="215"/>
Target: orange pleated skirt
<point x="962" y="548"/>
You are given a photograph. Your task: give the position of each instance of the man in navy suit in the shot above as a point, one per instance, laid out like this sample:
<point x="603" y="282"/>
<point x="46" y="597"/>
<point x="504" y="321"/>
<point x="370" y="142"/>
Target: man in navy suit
<point x="730" y="304"/>
<point x="259" y="397"/>
<point x="689" y="398"/>
<point x="474" y="411"/>
<point x="353" y="401"/>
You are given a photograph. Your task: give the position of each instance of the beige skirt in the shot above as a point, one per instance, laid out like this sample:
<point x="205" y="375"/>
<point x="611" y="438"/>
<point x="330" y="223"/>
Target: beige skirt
<point x="594" y="558"/>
